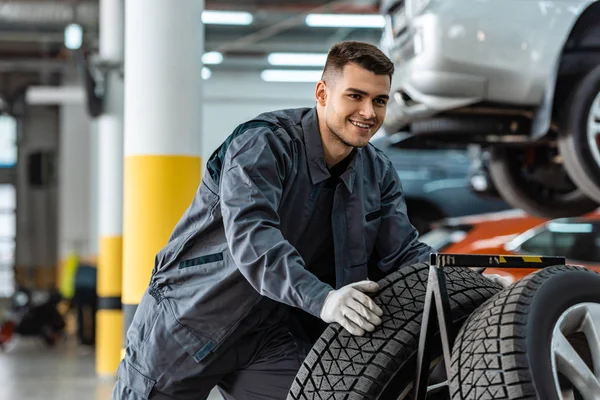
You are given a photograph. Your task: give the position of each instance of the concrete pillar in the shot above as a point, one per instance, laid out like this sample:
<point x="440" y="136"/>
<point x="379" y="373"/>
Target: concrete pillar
<point x="74" y="182"/>
<point x="93" y="230"/>
<point x="163" y="103"/>
<point x="109" y="318"/>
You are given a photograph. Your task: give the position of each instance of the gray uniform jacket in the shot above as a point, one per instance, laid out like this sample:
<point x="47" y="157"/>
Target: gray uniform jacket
<point x="237" y="242"/>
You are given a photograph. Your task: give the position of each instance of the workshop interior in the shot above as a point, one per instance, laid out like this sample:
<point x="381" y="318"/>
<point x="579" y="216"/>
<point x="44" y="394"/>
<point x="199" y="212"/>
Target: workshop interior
<point x="156" y="160"/>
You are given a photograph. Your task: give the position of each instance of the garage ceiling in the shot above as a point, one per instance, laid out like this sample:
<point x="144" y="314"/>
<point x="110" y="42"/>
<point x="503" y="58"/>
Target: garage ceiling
<point x="32" y="50"/>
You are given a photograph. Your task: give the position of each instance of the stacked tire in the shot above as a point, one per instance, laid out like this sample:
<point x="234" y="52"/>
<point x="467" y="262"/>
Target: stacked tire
<point x="532" y="340"/>
<point x="382" y="364"/>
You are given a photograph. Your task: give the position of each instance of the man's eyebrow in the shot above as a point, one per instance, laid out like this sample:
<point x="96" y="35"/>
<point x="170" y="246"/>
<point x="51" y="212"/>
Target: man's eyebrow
<point x="358" y="91"/>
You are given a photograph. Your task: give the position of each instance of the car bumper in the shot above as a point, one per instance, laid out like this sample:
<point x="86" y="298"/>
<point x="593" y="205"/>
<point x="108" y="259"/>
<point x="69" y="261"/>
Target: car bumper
<point x="427" y="79"/>
<point x="444" y="62"/>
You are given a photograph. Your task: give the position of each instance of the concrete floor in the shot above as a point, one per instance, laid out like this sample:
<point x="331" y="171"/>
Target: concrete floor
<point x="31" y="371"/>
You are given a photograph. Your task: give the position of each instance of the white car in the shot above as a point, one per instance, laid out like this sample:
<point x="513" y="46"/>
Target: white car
<point x="519" y="78"/>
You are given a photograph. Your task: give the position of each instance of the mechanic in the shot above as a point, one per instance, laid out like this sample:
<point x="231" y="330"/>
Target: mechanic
<point x="293" y="204"/>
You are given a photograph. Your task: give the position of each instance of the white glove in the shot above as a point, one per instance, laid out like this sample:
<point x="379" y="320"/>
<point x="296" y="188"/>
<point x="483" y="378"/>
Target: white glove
<point x="499" y="279"/>
<point x="353" y="309"/>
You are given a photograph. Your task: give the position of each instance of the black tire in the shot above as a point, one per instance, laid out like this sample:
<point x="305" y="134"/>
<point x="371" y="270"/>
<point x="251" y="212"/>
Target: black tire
<point x="542" y="190"/>
<point x="382" y="364"/>
<point x="503" y="350"/>
<point x="574" y="147"/>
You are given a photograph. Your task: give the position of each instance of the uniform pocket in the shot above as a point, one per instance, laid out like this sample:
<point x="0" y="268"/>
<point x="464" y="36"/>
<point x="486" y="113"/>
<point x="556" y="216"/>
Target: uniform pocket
<point x="208" y="267"/>
<point x="206" y="259"/>
<point x="373" y="215"/>
<point x="371" y="229"/>
<point x="196" y="347"/>
<point x="135" y="380"/>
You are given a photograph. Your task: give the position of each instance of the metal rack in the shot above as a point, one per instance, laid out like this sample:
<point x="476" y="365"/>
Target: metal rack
<point x="436" y="313"/>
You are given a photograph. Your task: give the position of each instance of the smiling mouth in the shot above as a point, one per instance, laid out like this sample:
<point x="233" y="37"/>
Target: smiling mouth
<point x="361" y="125"/>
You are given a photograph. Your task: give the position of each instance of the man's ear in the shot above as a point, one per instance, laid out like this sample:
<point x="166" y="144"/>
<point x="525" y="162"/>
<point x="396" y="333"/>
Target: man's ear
<point x="321" y="93"/>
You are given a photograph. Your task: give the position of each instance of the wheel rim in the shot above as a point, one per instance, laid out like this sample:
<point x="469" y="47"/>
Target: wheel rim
<point x="573" y="377"/>
<point x="593" y="131"/>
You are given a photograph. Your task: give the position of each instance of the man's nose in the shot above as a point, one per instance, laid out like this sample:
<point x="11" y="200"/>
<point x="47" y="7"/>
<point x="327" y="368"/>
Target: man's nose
<point x="367" y="111"/>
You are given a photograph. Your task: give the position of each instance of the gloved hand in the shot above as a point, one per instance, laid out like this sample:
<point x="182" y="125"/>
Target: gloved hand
<point x="350" y="307"/>
<point x="502" y="280"/>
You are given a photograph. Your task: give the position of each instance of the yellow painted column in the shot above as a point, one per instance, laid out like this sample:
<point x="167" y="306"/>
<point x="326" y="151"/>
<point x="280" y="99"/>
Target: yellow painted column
<point x="163" y="104"/>
<point x="109" y="319"/>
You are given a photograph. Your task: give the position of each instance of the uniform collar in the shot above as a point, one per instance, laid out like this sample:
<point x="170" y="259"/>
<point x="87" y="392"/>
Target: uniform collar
<point x="349" y="177"/>
<point x="316" y="156"/>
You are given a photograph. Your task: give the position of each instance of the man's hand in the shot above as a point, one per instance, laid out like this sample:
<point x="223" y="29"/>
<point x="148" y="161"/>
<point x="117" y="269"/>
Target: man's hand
<point x="502" y="280"/>
<point x="350" y="307"/>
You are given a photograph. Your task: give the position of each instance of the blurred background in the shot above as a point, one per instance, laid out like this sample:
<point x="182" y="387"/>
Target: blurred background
<point x="110" y="109"/>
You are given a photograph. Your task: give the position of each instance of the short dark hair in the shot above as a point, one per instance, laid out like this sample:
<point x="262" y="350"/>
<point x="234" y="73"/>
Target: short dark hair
<point x="365" y="55"/>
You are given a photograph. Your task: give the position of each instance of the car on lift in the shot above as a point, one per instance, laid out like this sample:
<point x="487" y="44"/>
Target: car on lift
<point x="436" y="183"/>
<point x="518" y="78"/>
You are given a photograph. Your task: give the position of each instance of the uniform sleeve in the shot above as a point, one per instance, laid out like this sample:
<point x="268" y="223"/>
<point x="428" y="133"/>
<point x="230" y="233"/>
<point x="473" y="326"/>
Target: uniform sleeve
<point x="397" y="241"/>
<point x="255" y="167"/>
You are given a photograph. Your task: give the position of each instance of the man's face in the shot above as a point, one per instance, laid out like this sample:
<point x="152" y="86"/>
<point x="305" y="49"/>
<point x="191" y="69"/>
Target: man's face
<point x="355" y="105"/>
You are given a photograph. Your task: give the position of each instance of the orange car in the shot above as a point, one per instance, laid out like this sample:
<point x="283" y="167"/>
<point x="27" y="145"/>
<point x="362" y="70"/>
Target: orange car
<point x="515" y="233"/>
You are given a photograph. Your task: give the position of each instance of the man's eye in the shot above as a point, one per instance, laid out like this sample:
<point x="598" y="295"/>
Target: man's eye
<point x="380" y="102"/>
<point x="355" y="96"/>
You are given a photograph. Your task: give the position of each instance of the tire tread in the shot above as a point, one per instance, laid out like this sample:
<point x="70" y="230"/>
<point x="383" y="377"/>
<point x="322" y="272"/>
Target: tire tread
<point x="480" y="370"/>
<point x="342" y="366"/>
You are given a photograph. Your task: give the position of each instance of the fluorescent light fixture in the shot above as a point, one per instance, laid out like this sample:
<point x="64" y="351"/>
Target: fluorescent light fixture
<point x="73" y="36"/>
<point x="345" y="20"/>
<point x="300" y="59"/>
<point x="212" y="57"/>
<point x="283" y="75"/>
<point x="227" y="17"/>
<point x="206" y="73"/>
<point x="52" y="95"/>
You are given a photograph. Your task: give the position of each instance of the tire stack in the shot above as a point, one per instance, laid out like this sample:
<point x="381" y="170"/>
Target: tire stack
<point x="505" y="349"/>
<point x="381" y="365"/>
<point x="502" y="350"/>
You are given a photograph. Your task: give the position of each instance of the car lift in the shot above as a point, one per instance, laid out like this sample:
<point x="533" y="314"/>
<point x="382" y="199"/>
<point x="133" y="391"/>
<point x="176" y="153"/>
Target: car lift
<point x="437" y="301"/>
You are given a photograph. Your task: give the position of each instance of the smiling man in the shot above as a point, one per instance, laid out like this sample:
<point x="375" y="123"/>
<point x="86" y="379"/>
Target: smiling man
<point x="297" y="215"/>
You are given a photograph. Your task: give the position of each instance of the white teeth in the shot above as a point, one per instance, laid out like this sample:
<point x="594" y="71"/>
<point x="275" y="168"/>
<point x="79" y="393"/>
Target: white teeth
<point x="365" y="126"/>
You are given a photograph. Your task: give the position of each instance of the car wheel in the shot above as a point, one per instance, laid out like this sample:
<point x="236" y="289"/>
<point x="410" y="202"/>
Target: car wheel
<point x="381" y="365"/>
<point x="579" y="142"/>
<point x="529" y="179"/>
<point x="537" y="339"/>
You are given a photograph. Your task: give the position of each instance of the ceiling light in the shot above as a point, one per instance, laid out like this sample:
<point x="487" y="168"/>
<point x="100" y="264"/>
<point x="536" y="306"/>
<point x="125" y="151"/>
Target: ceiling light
<point x="227" y="17"/>
<point x="303" y="59"/>
<point x="73" y="36"/>
<point x="212" y="57"/>
<point x="206" y="73"/>
<point x="283" y="75"/>
<point x="345" y="20"/>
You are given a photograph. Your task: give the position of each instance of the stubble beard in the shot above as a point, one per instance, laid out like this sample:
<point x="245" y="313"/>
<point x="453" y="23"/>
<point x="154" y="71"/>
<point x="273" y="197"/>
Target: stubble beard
<point x="336" y="135"/>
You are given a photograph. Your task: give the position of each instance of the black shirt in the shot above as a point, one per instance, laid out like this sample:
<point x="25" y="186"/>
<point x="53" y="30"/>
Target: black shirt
<point x="322" y="261"/>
